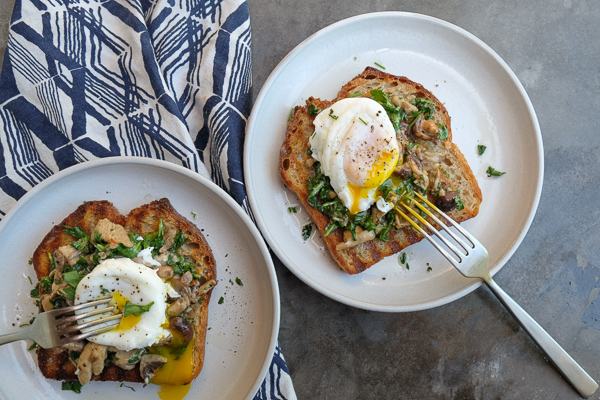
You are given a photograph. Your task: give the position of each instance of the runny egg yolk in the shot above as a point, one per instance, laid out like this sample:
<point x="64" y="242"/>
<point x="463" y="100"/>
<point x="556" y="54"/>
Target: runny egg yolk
<point x="176" y="373"/>
<point x="381" y="170"/>
<point x="127" y="322"/>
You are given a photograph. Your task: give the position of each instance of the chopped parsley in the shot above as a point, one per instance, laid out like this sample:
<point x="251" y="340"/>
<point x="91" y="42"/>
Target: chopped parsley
<point x="332" y="115"/>
<point x="313" y="110"/>
<point x="239" y="281"/>
<point x="481" y="149"/>
<point x="72" y="385"/>
<point x="306" y="231"/>
<point x="221" y="300"/>
<point x="292" y="210"/>
<point x="493" y="172"/>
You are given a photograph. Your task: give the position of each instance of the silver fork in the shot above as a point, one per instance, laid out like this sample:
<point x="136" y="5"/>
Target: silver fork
<point x="471" y="259"/>
<point x="55" y="327"/>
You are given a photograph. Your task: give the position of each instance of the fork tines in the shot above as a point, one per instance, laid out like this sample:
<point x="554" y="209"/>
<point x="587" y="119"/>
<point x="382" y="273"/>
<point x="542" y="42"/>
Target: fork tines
<point x="66" y="325"/>
<point x="426" y="207"/>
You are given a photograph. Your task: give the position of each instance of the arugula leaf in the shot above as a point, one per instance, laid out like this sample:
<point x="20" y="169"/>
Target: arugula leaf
<point x="389" y="222"/>
<point x="83" y="239"/>
<point x="443" y="132"/>
<point x="395" y="114"/>
<point x="178" y="241"/>
<point x="135" y="309"/>
<point x="67" y="292"/>
<point x="72" y="278"/>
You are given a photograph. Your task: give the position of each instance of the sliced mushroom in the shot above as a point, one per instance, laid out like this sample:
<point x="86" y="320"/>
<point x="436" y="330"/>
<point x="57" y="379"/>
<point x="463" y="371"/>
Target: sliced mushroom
<point x="121" y="359"/>
<point x="149" y="363"/>
<point x="165" y="272"/>
<point x="184" y="327"/>
<point x="419" y="131"/>
<point x="186" y="278"/>
<point x="91" y="361"/>
<point x="77" y="345"/>
<point x="361" y="236"/>
<point x="59" y="260"/>
<point x="69" y="253"/>
<point x="447" y="201"/>
<point x="46" y="304"/>
<point x="178" y="306"/>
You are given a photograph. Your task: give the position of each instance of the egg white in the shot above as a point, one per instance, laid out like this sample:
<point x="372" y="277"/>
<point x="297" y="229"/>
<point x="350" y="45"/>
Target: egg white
<point x="140" y="285"/>
<point x="350" y="139"/>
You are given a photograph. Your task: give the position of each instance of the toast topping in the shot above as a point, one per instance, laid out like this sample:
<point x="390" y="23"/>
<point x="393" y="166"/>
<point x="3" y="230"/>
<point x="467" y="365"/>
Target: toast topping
<point x="427" y="162"/>
<point x="159" y="274"/>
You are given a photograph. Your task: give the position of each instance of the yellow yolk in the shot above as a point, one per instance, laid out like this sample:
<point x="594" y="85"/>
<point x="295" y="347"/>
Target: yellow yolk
<point x="175" y="375"/>
<point x="381" y="171"/>
<point x="127" y="322"/>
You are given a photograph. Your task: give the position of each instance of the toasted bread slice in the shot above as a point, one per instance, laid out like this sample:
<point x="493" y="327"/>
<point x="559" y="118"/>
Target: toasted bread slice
<point x="55" y="363"/>
<point x="437" y="157"/>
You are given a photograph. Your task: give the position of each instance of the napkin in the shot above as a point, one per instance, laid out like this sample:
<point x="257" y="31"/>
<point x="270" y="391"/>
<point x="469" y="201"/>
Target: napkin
<point x="166" y="79"/>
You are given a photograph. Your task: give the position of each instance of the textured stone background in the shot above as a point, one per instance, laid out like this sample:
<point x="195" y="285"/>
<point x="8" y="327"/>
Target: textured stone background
<point x="471" y="348"/>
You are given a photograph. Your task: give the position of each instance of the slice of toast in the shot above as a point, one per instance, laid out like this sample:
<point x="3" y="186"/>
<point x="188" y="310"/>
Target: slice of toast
<point x="55" y="363"/>
<point x="295" y="166"/>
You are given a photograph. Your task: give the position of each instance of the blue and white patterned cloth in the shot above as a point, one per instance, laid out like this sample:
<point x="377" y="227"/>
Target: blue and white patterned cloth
<point x="167" y="79"/>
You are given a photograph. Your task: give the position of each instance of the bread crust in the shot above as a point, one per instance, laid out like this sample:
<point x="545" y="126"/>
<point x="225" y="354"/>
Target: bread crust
<point x="55" y="363"/>
<point x="295" y="168"/>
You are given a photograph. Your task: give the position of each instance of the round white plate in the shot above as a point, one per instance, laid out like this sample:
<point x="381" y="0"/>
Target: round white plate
<point x="242" y="330"/>
<point x="488" y="106"/>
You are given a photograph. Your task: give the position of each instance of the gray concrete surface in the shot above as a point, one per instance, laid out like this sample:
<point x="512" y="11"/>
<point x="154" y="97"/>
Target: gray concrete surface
<point x="471" y="348"/>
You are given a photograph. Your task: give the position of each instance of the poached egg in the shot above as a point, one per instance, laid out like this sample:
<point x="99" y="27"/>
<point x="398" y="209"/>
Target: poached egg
<point x="127" y="280"/>
<point x="355" y="142"/>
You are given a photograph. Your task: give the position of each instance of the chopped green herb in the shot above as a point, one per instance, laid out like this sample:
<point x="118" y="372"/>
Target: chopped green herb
<point x="22" y="325"/>
<point x="292" y="210"/>
<point x="306" y="231"/>
<point x="137" y="356"/>
<point x="379" y="65"/>
<point x="104" y="290"/>
<point x="239" y="281"/>
<point x="357" y="94"/>
<point x="135" y="309"/>
<point x="363" y="121"/>
<point x="459" y="203"/>
<point x="403" y="258"/>
<point x="194" y="215"/>
<point x="124" y="385"/>
<point x="33" y="346"/>
<point x="481" y="149"/>
<point x="221" y="300"/>
<point x="407" y="266"/>
<point x="290" y="114"/>
<point x="30" y="281"/>
<point x="493" y="172"/>
<point x="443" y="132"/>
<point x="72" y="278"/>
<point x="429" y="269"/>
<point x="72" y="385"/>
<point x="332" y="115"/>
<point x="313" y="110"/>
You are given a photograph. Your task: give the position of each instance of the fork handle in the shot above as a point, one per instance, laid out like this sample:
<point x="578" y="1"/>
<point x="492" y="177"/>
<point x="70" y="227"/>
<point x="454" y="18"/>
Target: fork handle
<point x="13" y="337"/>
<point x="579" y="379"/>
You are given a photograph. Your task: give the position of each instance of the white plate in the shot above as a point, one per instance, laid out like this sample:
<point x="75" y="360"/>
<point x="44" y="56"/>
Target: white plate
<point x="242" y="331"/>
<point x="488" y="106"/>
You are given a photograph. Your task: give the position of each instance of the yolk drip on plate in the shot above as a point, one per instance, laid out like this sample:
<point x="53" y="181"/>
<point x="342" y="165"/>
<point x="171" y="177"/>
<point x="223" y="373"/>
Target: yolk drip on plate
<point x="175" y="375"/>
